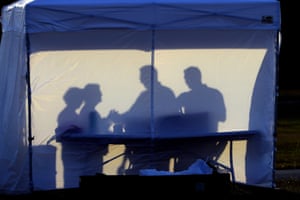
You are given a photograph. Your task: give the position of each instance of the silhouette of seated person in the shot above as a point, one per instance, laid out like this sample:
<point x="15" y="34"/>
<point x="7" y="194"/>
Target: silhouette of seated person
<point x="140" y="119"/>
<point x="201" y="108"/>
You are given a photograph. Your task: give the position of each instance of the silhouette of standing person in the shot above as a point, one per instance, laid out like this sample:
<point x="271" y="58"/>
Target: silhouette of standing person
<point x="93" y="123"/>
<point x="204" y="107"/>
<point x="80" y="158"/>
<point x="154" y="102"/>
<point x="68" y="123"/>
<point x="68" y="119"/>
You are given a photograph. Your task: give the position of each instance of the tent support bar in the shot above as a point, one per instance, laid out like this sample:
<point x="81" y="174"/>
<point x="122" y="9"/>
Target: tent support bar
<point x="152" y="83"/>
<point x="231" y="160"/>
<point x="30" y="137"/>
<point x="277" y="46"/>
<point x="152" y="86"/>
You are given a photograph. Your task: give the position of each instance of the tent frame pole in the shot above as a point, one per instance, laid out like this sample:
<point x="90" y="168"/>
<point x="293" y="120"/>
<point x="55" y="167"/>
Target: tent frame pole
<point x="30" y="137"/>
<point x="277" y="49"/>
<point x="152" y="80"/>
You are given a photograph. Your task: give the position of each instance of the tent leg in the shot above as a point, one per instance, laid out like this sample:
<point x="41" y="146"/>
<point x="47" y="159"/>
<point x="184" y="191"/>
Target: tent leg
<point x="231" y="160"/>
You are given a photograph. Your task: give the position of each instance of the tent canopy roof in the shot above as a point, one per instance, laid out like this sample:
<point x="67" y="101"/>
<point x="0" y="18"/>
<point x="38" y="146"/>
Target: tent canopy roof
<point x="76" y="15"/>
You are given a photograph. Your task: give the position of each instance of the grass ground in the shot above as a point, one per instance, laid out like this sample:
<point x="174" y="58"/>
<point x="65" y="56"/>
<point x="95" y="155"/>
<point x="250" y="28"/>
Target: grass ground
<point x="288" y="130"/>
<point x="288" y="138"/>
<point x="288" y="144"/>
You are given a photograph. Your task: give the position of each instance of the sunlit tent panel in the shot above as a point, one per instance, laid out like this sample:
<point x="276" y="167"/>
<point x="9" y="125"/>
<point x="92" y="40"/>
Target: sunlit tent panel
<point x="82" y="79"/>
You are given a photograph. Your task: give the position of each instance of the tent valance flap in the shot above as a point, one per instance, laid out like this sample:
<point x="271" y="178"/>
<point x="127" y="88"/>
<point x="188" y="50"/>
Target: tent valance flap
<point x="145" y="15"/>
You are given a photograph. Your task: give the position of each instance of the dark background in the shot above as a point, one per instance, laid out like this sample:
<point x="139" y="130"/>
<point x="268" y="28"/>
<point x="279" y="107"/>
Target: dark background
<point x="288" y="73"/>
<point x="288" y="63"/>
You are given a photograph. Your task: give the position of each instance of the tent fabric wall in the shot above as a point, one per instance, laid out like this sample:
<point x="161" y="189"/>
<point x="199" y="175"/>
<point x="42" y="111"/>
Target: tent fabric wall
<point x="69" y="69"/>
<point x="14" y="153"/>
<point x="73" y="43"/>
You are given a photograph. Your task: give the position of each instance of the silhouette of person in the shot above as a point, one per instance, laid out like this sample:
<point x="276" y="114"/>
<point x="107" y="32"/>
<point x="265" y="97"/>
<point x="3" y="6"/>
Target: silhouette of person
<point x="81" y="158"/>
<point x="154" y="102"/>
<point x="201" y="108"/>
<point x="201" y="99"/>
<point x="68" y="119"/>
<point x="68" y="123"/>
<point x="93" y="123"/>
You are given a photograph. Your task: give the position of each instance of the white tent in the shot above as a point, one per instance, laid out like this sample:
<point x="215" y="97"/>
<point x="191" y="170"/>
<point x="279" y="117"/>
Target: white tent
<point x="214" y="97"/>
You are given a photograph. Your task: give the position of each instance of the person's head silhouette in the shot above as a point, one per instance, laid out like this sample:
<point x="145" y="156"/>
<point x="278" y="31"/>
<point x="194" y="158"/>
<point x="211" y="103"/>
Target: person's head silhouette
<point x="145" y="75"/>
<point x="92" y="94"/>
<point x="192" y="76"/>
<point x="73" y="97"/>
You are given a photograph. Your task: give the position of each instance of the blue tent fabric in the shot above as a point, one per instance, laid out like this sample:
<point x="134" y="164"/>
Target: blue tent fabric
<point x="146" y="14"/>
<point x="33" y="27"/>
